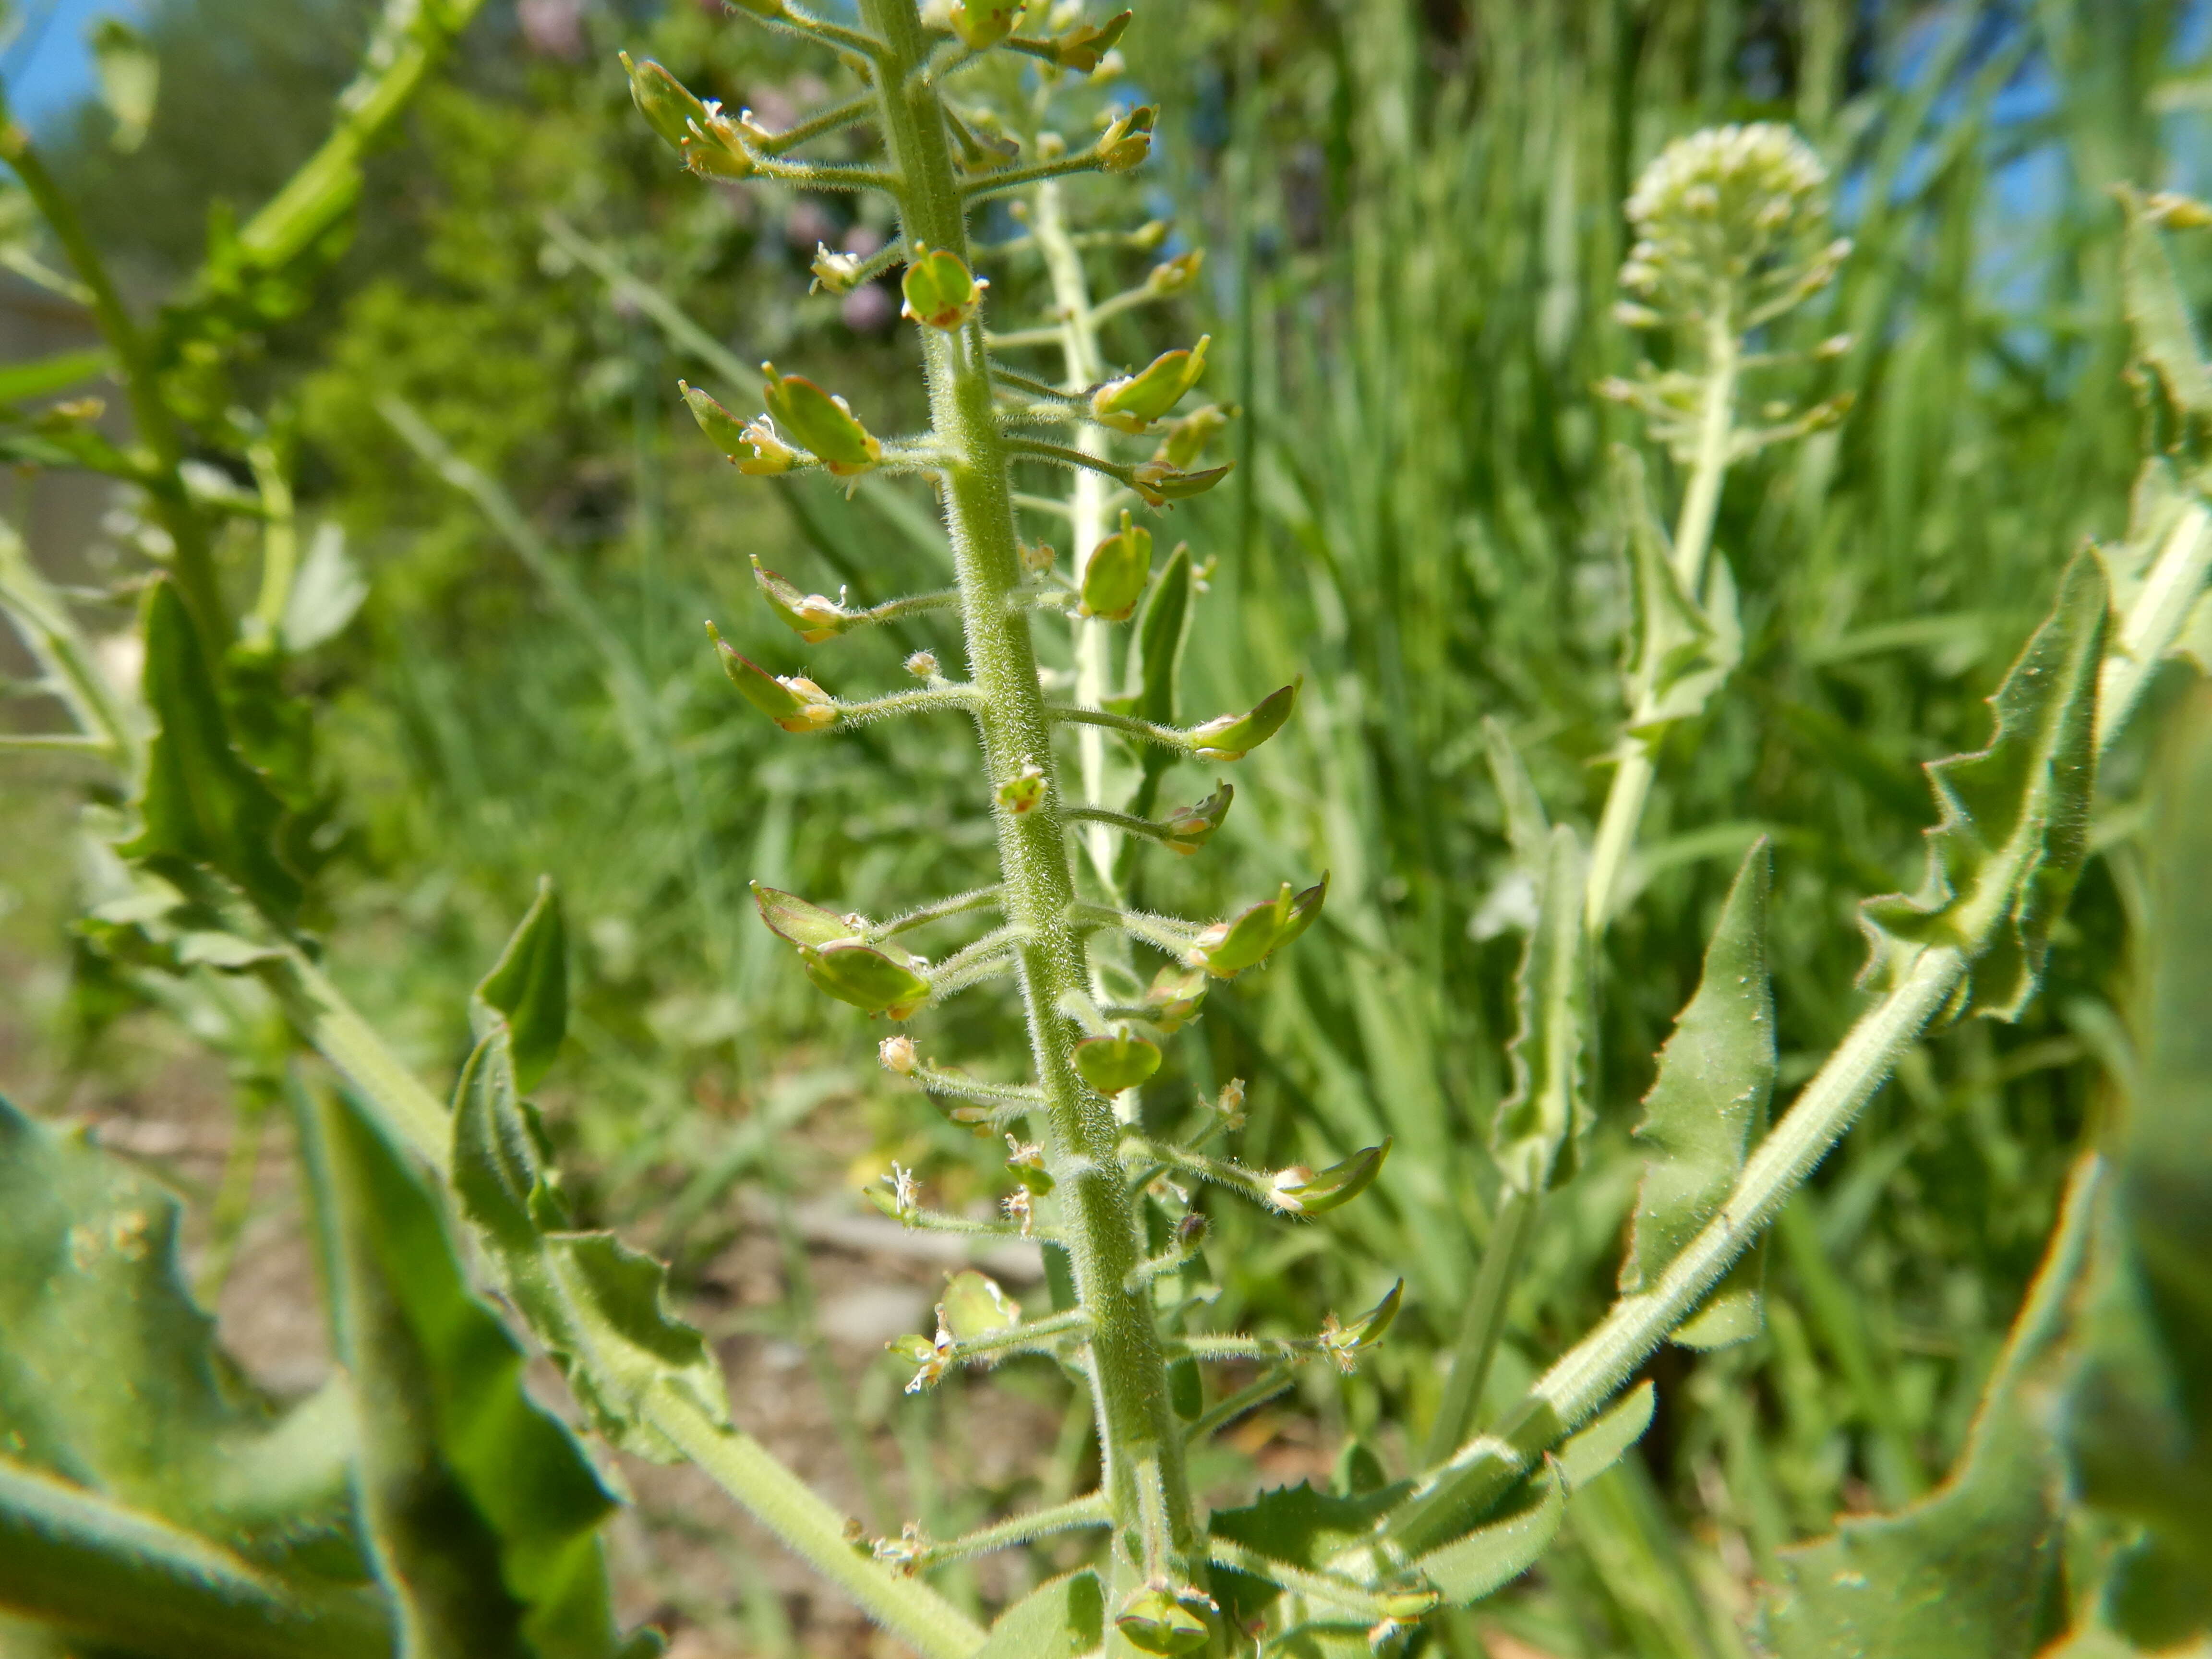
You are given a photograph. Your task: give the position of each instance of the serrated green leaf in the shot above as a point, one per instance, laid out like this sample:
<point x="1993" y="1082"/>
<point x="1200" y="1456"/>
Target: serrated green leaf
<point x="528" y="987"/>
<point x="201" y="804"/>
<point x="1527" y="829"/>
<point x="1060" y="1618"/>
<point x="1682" y="649"/>
<point x="484" y="1512"/>
<point x="595" y="1303"/>
<point x="1969" y="1572"/>
<point x="2139" y="1420"/>
<point x="1536" y="1135"/>
<point x="1707" y="1105"/>
<point x="1495" y="1554"/>
<point x="2014" y="818"/>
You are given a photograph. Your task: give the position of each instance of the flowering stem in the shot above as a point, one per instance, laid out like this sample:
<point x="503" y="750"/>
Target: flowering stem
<point x="1140" y="1450"/>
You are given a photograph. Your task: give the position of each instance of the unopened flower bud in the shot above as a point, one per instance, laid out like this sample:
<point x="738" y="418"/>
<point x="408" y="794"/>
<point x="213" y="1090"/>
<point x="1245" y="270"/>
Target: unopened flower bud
<point x="1298" y="1191"/>
<point x="1022" y="791"/>
<point x="665" y="102"/>
<point x="1117" y="573"/>
<point x="1232" y="737"/>
<point x="837" y="272"/>
<point x="1125" y="144"/>
<point x="940" y="291"/>
<point x="824" y="424"/>
<point x="1133" y="403"/>
<point x="1037" y="560"/>
<point x="795" y="704"/>
<point x="1081" y="49"/>
<point x="1229" y="1102"/>
<point x="898" y="1054"/>
<point x="923" y="665"/>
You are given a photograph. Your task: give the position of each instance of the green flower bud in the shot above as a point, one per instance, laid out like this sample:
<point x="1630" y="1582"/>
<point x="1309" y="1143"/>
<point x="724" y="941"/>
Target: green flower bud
<point x="983" y="24"/>
<point x="1228" y="948"/>
<point x="1187" y="439"/>
<point x="1111" y="1064"/>
<point x="1125" y="144"/>
<point x="1153" y="1621"/>
<point x="1345" y="1344"/>
<point x="1133" y="403"/>
<point x="1174" y="276"/>
<point x="795" y="704"/>
<point x="1173" y="999"/>
<point x="1298" y="1191"/>
<point x="664" y="101"/>
<point x="1190" y="828"/>
<point x="753" y="447"/>
<point x="1159" y="485"/>
<point x="867" y="977"/>
<point x="804" y="924"/>
<point x="1081" y="47"/>
<point x="940" y="291"/>
<point x="821" y="421"/>
<point x="1232" y="737"/>
<point x="975" y="1306"/>
<point x="1023" y="791"/>
<point x="1115" y="576"/>
<point x="810" y="615"/>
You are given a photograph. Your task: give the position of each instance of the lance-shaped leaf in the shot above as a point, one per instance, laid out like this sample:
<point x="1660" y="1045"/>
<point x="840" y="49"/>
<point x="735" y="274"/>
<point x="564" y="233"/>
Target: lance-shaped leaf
<point x="595" y="1304"/>
<point x="976" y="1305"/>
<point x="1481" y="1562"/>
<point x="1111" y="1064"/>
<point x="1115" y="575"/>
<point x="528" y="987"/>
<point x="1300" y="1191"/>
<point x="1159" y="484"/>
<point x="483" y="1511"/>
<point x="1190" y="828"/>
<point x="1061" y="1618"/>
<point x="2004" y="856"/>
<point x="2138" y="1422"/>
<point x="1173" y="999"/>
<point x="939" y="290"/>
<point x="821" y="421"/>
<point x="666" y="103"/>
<point x="1161" y="632"/>
<point x="794" y="703"/>
<point x="1969" y="1572"/>
<point x="1540" y="1125"/>
<point x="751" y="445"/>
<point x="1133" y="402"/>
<point x="1682" y="650"/>
<point x="1597" y="1448"/>
<point x="880" y="979"/>
<point x="812" y="617"/>
<point x="2165" y="340"/>
<point x="1227" y="948"/>
<point x="1344" y="1344"/>
<point x="202" y="803"/>
<point x="1232" y="737"/>
<point x="804" y="924"/>
<point x="1707" y="1104"/>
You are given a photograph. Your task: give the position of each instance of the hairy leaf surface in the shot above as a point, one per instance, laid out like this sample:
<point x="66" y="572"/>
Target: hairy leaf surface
<point x="1061" y="1618"/>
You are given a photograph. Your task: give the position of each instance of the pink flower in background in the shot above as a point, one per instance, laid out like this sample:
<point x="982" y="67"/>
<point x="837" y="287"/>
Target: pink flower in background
<point x="552" y="28"/>
<point x="868" y="309"/>
<point x="808" y="223"/>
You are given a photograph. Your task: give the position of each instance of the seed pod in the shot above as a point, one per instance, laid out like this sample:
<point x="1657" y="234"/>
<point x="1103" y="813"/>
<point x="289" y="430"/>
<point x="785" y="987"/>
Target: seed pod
<point x="1173" y="999"/>
<point x="1124" y="145"/>
<point x="916" y="1350"/>
<point x="1344" y="1344"/>
<point x="940" y="291"/>
<point x="811" y="616"/>
<point x="1158" y="484"/>
<point x="795" y="704"/>
<point x="821" y="421"/>
<point x="664" y="101"/>
<point x="802" y="923"/>
<point x="983" y="24"/>
<point x="1154" y="1622"/>
<point x="753" y="447"/>
<point x="1081" y="48"/>
<point x="1298" y="1191"/>
<point x="1232" y="737"/>
<point x="1111" y="1064"/>
<point x="1115" y="575"/>
<point x="1227" y="948"/>
<point x="1133" y="402"/>
<point x="1174" y="276"/>
<point x="975" y="1306"/>
<point x="1187" y="439"/>
<point x="1190" y="828"/>
<point x="866" y="976"/>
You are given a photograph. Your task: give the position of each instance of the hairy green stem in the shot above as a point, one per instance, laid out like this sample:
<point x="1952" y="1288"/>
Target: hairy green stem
<point x="1140" y="1451"/>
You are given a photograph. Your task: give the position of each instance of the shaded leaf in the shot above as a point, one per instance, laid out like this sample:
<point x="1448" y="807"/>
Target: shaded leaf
<point x="44" y="376"/>
<point x="2165" y="340"/>
<point x="1708" y="1103"/>
<point x="201" y="804"/>
<point x="1535" y="1134"/>
<point x="1297" y="1525"/>
<point x="1061" y="1618"/>
<point x="1589" y="1454"/>
<point x="2004" y="856"/>
<point x="528" y="987"/>
<point x="1495" y="1554"/>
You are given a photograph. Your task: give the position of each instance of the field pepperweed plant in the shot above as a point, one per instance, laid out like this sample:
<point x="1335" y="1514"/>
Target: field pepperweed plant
<point x="423" y="1503"/>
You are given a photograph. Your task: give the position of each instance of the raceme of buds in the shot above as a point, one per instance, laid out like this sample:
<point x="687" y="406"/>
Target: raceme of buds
<point x="1232" y="737"/>
<point x="982" y="23"/>
<point x="795" y="704"/>
<point x="1111" y="1064"/>
<point x="822" y="421"/>
<point x="940" y="291"/>
<point x="1345" y="1343"/>
<point x="1186" y="439"/>
<point x="811" y="616"/>
<point x="1298" y="1191"/>
<point x="1190" y="828"/>
<point x="1126" y="144"/>
<point x="1173" y="999"/>
<point x="975" y="1306"/>
<point x="753" y="447"/>
<point x="1133" y="403"/>
<point x="1023" y="790"/>
<point x="1154" y="1620"/>
<point x="1116" y="574"/>
<point x="1227" y="948"/>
